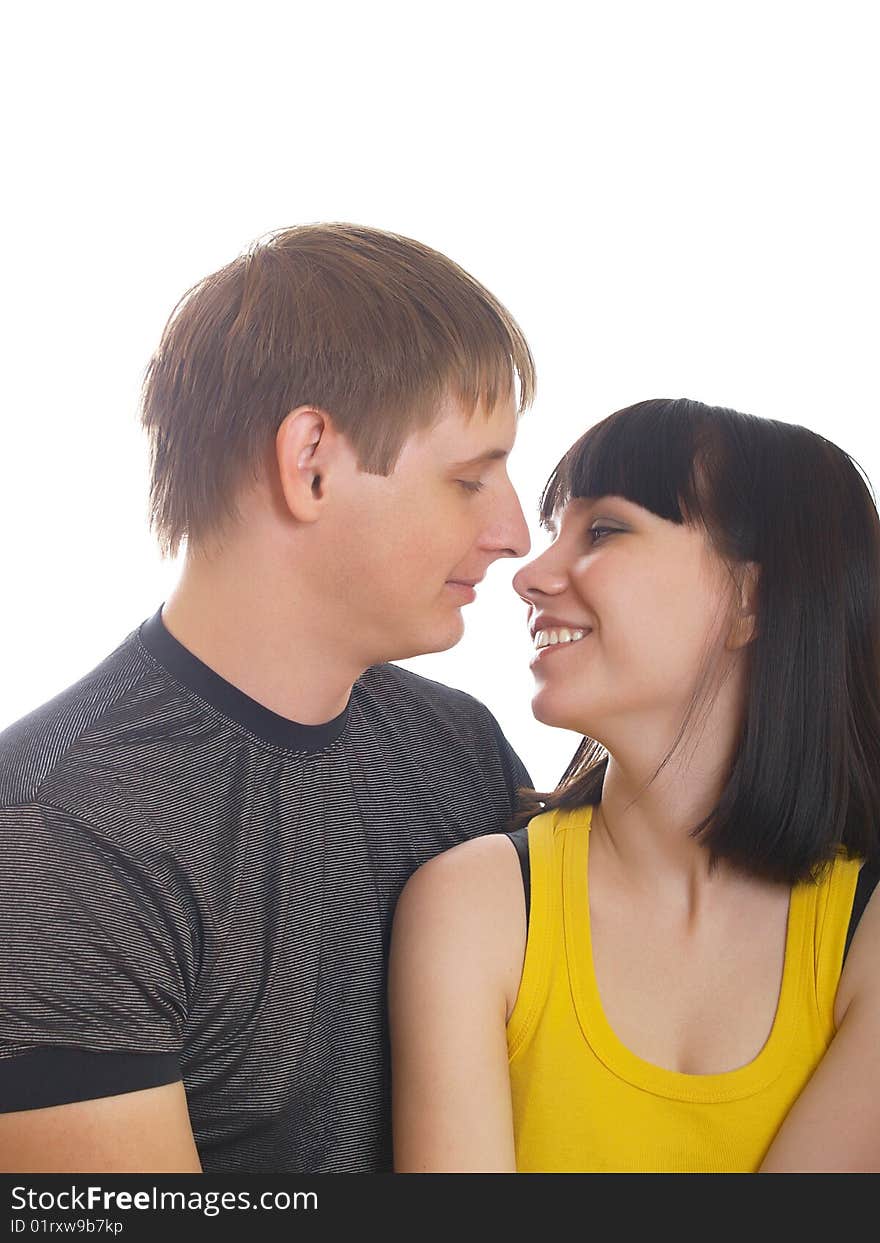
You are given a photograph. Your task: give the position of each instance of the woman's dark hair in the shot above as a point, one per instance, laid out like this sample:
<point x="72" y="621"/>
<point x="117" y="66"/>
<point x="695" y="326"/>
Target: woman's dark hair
<point x="805" y="780"/>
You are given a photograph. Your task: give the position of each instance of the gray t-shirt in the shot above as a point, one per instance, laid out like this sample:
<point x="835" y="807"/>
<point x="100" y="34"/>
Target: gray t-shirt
<point x="195" y="887"/>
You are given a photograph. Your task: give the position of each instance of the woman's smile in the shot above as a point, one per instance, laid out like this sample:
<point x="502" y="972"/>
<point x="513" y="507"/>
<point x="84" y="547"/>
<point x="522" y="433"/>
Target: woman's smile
<point x="553" y="641"/>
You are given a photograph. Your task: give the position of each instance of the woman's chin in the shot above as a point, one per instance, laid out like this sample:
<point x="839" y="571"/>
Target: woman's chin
<point x="557" y="715"/>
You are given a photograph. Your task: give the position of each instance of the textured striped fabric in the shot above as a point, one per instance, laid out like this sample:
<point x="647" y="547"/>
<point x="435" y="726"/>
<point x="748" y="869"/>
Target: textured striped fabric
<point x="196" y="887"/>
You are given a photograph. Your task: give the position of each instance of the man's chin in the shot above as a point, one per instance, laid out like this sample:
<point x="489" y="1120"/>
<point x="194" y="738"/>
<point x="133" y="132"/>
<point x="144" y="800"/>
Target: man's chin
<point x="437" y="638"/>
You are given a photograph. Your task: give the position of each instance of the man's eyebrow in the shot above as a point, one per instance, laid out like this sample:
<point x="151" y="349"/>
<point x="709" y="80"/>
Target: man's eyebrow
<point x="491" y="455"/>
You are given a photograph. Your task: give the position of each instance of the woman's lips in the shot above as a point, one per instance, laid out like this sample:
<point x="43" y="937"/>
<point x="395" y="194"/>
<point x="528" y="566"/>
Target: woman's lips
<point x="543" y="652"/>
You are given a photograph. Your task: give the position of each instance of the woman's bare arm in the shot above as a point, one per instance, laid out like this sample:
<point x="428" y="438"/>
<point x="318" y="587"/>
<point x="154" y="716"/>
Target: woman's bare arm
<point x="456" y="959"/>
<point x="834" y="1125"/>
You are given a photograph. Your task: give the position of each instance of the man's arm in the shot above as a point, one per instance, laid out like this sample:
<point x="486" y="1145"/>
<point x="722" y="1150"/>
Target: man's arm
<point x="94" y="954"/>
<point x="834" y="1125"/>
<point x="451" y="975"/>
<point x="137" y="1132"/>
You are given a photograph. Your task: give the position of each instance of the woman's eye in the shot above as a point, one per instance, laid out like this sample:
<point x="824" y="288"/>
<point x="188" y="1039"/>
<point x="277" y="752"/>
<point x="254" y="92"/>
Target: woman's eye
<point x="471" y="485"/>
<point x="600" y="531"/>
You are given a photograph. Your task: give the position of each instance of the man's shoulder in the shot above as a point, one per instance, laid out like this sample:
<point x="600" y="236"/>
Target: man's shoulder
<point x="442" y="737"/>
<point x="37" y="743"/>
<point x="449" y="729"/>
<point x="390" y="683"/>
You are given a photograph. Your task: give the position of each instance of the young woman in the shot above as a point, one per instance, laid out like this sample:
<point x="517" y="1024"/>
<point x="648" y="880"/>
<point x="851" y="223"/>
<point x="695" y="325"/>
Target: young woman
<point x="664" y="981"/>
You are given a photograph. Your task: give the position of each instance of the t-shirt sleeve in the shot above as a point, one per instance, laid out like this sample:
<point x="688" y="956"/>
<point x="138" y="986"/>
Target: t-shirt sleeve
<point x="61" y="1076"/>
<point x="96" y="961"/>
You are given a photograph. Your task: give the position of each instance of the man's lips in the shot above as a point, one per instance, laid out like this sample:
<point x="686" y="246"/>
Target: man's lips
<point x="464" y="588"/>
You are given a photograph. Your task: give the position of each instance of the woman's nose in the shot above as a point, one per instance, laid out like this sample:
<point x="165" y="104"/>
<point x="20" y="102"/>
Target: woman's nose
<point x="543" y="575"/>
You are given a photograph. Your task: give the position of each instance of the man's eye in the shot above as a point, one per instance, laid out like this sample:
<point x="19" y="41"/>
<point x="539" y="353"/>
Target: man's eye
<point x="470" y="485"/>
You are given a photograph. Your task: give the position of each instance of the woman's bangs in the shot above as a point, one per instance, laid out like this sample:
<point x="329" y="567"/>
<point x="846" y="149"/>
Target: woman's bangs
<point x="646" y="454"/>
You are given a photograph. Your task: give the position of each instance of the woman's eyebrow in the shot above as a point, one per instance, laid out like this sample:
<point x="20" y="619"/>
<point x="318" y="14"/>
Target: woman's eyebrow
<point x="591" y="502"/>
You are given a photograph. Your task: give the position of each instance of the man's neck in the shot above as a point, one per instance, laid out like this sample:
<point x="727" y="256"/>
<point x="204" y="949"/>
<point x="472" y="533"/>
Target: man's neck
<point x="247" y="638"/>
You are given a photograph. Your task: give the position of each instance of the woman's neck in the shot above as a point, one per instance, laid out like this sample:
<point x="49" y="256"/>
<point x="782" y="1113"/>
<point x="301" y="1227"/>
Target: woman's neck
<point x="642" y="827"/>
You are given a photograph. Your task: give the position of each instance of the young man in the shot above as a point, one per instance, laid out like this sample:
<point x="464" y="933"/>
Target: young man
<point x="206" y="835"/>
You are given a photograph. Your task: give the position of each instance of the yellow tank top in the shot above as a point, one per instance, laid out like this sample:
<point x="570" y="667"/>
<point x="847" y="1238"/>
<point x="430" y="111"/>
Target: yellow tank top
<point x="584" y="1102"/>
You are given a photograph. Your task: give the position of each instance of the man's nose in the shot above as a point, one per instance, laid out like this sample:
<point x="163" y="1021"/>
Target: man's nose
<point x="509" y="534"/>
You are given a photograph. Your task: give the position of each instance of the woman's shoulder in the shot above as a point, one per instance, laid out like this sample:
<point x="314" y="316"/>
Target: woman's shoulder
<point x="485" y="866"/>
<point x="471" y="898"/>
<point x="860" y="978"/>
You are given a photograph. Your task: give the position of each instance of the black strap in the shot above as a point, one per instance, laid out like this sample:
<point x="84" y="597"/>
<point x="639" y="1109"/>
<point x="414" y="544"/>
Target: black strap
<point x="520" y="839"/>
<point x="869" y="875"/>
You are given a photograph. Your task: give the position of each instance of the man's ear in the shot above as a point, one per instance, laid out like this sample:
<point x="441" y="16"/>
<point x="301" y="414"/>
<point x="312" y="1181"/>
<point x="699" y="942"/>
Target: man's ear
<point x="306" y="446"/>
<point x="745" y="620"/>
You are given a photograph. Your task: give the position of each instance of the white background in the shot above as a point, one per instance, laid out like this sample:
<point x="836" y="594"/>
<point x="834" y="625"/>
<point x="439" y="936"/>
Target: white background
<point x="674" y="199"/>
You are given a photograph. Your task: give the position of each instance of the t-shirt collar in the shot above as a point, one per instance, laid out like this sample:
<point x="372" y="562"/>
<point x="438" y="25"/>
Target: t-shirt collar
<point x="203" y="681"/>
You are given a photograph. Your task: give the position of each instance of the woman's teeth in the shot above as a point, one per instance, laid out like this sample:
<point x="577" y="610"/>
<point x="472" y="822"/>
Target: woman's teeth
<point x="547" y="638"/>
